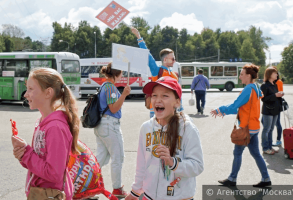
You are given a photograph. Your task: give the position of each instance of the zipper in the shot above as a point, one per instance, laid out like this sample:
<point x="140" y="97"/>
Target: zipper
<point x="28" y="183"/>
<point x="158" y="183"/>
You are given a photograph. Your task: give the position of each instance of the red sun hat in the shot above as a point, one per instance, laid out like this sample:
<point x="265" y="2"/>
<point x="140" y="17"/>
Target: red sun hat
<point x="165" y="81"/>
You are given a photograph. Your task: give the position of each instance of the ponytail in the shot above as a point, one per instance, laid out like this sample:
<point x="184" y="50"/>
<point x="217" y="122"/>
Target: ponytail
<point x="173" y="132"/>
<point x="71" y="110"/>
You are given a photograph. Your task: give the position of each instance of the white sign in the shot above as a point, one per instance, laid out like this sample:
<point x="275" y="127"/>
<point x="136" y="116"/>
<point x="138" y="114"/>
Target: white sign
<point x="8" y="73"/>
<point x="138" y="58"/>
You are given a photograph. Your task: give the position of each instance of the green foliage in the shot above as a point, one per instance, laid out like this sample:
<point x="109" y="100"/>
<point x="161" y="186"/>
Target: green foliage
<point x="246" y="44"/>
<point x="286" y="66"/>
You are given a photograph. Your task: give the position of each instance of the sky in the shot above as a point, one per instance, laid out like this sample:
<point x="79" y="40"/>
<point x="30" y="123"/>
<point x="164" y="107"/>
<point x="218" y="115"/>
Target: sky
<point x="274" y="18"/>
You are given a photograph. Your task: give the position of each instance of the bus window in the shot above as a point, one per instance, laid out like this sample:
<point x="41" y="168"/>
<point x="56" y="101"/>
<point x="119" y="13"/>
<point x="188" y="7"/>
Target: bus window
<point x="40" y="63"/>
<point x="187" y="71"/>
<point x="230" y="71"/>
<point x="70" y="66"/>
<point x="86" y="70"/>
<point x="19" y="67"/>
<point x="131" y="74"/>
<point x="216" y="70"/>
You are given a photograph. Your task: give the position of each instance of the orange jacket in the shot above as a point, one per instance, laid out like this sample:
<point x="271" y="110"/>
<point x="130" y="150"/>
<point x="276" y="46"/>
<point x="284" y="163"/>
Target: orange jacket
<point x="248" y="107"/>
<point x="279" y="83"/>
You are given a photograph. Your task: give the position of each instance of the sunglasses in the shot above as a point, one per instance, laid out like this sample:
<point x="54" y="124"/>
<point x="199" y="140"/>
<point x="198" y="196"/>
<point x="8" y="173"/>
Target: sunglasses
<point x="173" y="59"/>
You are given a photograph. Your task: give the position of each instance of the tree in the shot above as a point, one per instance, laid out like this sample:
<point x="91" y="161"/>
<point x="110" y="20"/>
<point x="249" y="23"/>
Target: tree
<point x="12" y="31"/>
<point x="2" y="43"/>
<point x="66" y="34"/>
<point x="9" y="44"/>
<point x="229" y="45"/>
<point x="27" y="43"/>
<point x="247" y="52"/>
<point x="259" y="44"/>
<point x="15" y="33"/>
<point x="140" y="23"/>
<point x="287" y="63"/>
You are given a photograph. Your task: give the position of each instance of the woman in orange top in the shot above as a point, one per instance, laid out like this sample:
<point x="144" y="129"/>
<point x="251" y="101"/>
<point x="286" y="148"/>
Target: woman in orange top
<point x="279" y="84"/>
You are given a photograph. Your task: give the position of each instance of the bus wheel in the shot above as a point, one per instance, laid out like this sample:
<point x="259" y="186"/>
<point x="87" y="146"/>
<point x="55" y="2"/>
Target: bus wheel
<point x="24" y="101"/>
<point x="221" y="90"/>
<point x="229" y="87"/>
<point x="120" y="89"/>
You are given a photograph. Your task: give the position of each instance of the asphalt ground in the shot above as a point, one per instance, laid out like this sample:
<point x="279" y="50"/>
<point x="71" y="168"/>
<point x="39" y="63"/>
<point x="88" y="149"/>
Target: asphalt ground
<point x="214" y="135"/>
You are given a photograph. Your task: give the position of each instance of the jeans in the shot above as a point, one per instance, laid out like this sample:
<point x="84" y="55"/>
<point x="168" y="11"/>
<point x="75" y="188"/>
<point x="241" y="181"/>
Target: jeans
<point x="110" y="145"/>
<point x="200" y="95"/>
<point x="269" y="122"/>
<point x="279" y="127"/>
<point x="254" y="151"/>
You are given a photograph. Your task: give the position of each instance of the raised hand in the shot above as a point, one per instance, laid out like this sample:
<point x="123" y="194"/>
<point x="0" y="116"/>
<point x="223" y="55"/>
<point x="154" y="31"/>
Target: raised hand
<point x="135" y="32"/>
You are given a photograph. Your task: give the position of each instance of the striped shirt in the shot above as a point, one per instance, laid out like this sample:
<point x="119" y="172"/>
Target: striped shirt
<point x="109" y="95"/>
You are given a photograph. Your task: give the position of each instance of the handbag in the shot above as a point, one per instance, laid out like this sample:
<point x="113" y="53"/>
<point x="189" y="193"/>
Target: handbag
<point x="191" y="101"/>
<point x="285" y="105"/>
<point x="38" y="193"/>
<point x="240" y="136"/>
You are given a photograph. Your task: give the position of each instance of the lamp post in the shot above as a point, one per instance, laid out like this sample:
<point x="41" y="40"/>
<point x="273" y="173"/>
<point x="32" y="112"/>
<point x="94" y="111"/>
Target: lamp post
<point x="66" y="42"/>
<point x="95" y="45"/>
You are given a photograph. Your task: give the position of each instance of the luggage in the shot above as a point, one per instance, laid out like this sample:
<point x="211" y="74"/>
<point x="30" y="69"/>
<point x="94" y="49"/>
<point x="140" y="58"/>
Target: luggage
<point x="288" y="142"/>
<point x="288" y="138"/>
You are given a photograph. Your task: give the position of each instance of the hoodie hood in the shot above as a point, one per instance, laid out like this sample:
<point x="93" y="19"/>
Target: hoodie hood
<point x="183" y="122"/>
<point x="257" y="89"/>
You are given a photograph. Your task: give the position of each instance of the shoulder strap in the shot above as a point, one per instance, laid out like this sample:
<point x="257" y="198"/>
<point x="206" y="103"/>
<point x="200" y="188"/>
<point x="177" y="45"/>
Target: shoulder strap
<point x="107" y="108"/>
<point x="196" y="83"/>
<point x="160" y="74"/>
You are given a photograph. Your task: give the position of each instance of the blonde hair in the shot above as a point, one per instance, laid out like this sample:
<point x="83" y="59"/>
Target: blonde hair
<point x="50" y="78"/>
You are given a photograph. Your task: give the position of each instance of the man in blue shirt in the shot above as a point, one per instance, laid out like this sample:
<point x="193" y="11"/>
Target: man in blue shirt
<point x="199" y="85"/>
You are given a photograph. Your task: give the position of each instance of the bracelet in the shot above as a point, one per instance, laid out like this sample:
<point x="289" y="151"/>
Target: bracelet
<point x="140" y="39"/>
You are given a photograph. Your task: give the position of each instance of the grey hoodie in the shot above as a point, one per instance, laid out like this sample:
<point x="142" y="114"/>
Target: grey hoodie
<point x="188" y="162"/>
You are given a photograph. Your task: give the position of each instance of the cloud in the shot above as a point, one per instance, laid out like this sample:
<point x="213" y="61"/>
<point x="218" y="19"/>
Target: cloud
<point x="180" y="21"/>
<point x="38" y="25"/>
<point x="137" y="9"/>
<point x="83" y="13"/>
<point x="276" y="51"/>
<point x="137" y="5"/>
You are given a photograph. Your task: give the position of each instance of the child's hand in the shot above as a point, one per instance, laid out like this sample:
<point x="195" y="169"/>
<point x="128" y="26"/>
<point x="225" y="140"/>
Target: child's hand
<point x="164" y="154"/>
<point x="17" y="142"/>
<point x="18" y="152"/>
<point x="130" y="197"/>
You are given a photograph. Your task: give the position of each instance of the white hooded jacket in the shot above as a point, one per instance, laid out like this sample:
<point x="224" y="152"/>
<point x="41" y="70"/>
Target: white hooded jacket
<point x="188" y="162"/>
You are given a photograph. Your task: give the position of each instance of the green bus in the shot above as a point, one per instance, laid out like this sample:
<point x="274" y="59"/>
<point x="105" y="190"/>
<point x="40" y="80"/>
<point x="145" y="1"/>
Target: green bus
<point x="221" y="75"/>
<point x="15" y="67"/>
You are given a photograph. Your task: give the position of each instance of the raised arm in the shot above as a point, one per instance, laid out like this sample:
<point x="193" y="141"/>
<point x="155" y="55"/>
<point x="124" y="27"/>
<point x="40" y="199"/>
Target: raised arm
<point x="152" y="63"/>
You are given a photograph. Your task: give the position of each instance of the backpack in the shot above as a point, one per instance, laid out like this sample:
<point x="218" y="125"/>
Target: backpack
<point x="91" y="113"/>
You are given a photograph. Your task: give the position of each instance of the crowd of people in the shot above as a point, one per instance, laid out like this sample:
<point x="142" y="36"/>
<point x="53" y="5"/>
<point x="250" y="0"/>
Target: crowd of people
<point x="169" y="156"/>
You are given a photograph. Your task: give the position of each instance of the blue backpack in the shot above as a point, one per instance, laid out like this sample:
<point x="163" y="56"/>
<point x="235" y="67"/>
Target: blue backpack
<point x="91" y="113"/>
